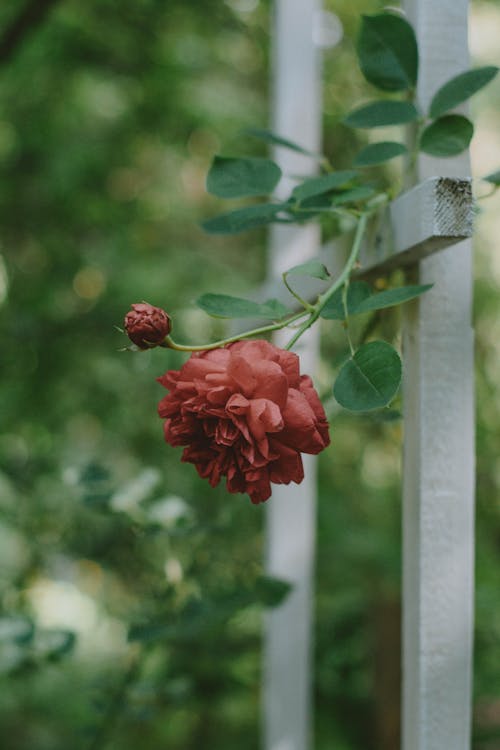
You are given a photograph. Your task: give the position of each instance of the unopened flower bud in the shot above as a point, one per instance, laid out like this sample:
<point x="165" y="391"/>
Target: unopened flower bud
<point x="146" y="325"/>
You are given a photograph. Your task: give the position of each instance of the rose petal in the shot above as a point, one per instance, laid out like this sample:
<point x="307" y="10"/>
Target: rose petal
<point x="264" y="416"/>
<point x="290" y="364"/>
<point x="288" y="467"/>
<point x="272" y="383"/>
<point x="300" y="430"/>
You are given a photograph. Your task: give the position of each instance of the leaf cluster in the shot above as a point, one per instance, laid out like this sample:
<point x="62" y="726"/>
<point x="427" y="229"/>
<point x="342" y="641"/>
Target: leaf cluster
<point x="388" y="57"/>
<point x="387" y="53"/>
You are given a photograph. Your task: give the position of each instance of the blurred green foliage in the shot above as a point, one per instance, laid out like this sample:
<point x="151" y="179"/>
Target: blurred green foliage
<point x="131" y="594"/>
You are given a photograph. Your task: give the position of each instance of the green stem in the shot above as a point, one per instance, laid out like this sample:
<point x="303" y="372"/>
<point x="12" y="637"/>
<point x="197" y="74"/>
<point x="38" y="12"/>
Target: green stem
<point x="306" y="305"/>
<point x="169" y="343"/>
<point x="312" y="311"/>
<point x="345" y="292"/>
<point x="323" y="298"/>
<point x="488" y="195"/>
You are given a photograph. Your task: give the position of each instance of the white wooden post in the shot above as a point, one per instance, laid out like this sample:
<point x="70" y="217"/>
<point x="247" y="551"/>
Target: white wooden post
<point x="438" y="476"/>
<point x="438" y="515"/>
<point x="438" y="453"/>
<point x="291" y="512"/>
<point x="438" y="490"/>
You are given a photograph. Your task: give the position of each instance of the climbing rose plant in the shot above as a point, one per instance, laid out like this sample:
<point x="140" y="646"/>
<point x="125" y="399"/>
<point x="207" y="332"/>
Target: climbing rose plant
<point x="240" y="406"/>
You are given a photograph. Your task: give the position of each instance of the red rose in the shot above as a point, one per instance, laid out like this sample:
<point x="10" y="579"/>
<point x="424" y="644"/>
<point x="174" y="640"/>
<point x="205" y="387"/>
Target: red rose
<point x="245" y="413"/>
<point x="146" y="325"/>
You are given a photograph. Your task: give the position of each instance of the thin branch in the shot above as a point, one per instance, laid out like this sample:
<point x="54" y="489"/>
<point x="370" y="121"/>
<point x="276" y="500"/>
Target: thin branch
<point x="29" y="18"/>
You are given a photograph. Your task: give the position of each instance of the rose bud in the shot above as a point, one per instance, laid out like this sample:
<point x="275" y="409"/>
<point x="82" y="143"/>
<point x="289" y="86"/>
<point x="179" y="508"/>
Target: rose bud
<point x="146" y="325"/>
<point x="244" y="412"/>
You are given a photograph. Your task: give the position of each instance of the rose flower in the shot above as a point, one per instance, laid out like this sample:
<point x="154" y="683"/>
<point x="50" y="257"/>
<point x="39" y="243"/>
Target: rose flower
<point x="146" y="325"/>
<point x="244" y="412"/>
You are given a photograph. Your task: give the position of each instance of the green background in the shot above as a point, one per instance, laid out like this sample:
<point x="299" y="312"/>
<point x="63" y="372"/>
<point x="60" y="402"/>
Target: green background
<point x="110" y="114"/>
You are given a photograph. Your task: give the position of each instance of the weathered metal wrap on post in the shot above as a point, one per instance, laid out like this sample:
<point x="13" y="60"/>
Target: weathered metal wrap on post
<point x="429" y="217"/>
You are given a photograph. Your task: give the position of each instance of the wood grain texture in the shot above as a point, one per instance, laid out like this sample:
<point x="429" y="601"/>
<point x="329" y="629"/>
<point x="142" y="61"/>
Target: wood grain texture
<point x="438" y="505"/>
<point x="291" y="511"/>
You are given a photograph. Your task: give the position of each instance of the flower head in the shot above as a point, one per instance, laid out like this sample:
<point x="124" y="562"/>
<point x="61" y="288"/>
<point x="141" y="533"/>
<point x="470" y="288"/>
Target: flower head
<point x="146" y="325"/>
<point x="244" y="412"/>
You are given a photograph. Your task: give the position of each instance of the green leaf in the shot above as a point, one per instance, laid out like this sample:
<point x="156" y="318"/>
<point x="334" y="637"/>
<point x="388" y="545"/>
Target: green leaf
<point x="310" y="207"/>
<point x="494" y="178"/>
<point x="447" y="136"/>
<point x="356" y="293"/>
<point x="353" y="196"/>
<point x="319" y="185"/>
<point x="16" y="628"/>
<point x="391" y="297"/>
<point x="277" y="140"/>
<point x="387" y="52"/>
<point x="95" y="483"/>
<point x="314" y="268"/>
<point x="151" y="632"/>
<point x="93" y="473"/>
<point x="54" y="642"/>
<point x="361" y="300"/>
<point x="200" y="617"/>
<point x="320" y="202"/>
<point x="460" y="88"/>
<point x="241" y="219"/>
<point x="377" y="153"/>
<point x="370" y="378"/>
<point x="273" y="309"/>
<point x="241" y="177"/>
<point x="271" y="591"/>
<point x="380" y="113"/>
<point x="225" y="306"/>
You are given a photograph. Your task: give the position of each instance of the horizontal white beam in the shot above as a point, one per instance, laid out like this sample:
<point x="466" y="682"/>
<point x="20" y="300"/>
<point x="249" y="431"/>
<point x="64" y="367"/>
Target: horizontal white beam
<point x="431" y="216"/>
<point x="434" y="214"/>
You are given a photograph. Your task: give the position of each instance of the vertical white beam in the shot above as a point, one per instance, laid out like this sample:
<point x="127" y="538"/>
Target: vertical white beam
<point x="291" y="511"/>
<point x="438" y="514"/>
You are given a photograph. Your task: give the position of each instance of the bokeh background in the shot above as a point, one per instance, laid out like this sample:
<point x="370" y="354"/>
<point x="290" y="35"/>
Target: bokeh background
<point x="131" y="594"/>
